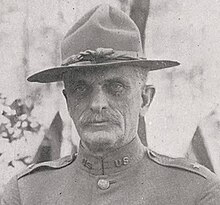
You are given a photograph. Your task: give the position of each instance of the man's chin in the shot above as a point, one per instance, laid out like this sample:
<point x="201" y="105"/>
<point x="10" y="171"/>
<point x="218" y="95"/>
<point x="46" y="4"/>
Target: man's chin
<point x="100" y="139"/>
<point x="99" y="136"/>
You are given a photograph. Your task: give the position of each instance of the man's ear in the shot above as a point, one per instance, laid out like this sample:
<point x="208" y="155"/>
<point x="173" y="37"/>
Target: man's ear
<point x="148" y="92"/>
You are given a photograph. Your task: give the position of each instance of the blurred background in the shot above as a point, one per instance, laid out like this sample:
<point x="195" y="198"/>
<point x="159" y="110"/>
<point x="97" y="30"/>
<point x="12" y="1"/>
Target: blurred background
<point x="184" y="119"/>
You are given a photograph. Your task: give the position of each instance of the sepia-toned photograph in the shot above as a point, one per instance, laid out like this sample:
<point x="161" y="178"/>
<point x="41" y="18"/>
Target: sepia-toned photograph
<point x="109" y="102"/>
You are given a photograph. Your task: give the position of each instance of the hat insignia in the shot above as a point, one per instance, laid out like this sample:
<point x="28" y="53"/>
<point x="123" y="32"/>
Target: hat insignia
<point x="98" y="56"/>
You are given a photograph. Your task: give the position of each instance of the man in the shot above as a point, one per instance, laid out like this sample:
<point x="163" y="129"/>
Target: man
<point x="104" y="75"/>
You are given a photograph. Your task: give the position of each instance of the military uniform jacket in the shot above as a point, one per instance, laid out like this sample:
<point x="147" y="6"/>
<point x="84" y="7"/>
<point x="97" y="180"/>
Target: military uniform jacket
<point x="132" y="175"/>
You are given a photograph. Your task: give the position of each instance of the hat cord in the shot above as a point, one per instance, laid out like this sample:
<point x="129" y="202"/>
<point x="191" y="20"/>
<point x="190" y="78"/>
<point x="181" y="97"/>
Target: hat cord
<point x="101" y="55"/>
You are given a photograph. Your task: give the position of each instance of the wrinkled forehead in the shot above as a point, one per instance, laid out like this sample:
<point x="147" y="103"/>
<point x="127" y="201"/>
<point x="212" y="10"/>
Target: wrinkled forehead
<point x="128" y="73"/>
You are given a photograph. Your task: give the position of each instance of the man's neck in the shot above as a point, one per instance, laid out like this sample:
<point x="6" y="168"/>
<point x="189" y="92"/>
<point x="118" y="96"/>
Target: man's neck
<point x="101" y="151"/>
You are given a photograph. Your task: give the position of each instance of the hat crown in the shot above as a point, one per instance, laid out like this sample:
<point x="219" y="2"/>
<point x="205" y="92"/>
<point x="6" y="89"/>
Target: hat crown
<point x="102" y="27"/>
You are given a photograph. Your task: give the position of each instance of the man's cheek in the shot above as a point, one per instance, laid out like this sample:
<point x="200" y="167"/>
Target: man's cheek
<point x="74" y="114"/>
<point x="124" y="112"/>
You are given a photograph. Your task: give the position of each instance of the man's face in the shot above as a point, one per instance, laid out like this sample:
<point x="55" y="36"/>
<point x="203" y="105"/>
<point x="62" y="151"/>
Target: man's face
<point x="104" y="104"/>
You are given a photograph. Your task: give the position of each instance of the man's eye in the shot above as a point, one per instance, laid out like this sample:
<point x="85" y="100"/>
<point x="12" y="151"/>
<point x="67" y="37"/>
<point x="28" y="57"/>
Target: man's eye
<point x="116" y="87"/>
<point x="80" y="88"/>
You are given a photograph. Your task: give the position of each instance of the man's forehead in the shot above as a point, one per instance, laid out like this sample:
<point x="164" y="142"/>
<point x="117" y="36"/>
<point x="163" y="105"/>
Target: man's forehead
<point x="124" y="72"/>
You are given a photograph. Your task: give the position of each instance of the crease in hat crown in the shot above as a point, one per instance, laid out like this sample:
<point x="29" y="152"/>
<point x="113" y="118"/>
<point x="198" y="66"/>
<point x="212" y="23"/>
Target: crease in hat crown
<point x="103" y="27"/>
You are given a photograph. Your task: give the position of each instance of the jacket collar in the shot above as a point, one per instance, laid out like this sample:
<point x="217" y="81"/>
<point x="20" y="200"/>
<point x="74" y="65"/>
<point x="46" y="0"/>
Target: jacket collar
<point x="116" y="161"/>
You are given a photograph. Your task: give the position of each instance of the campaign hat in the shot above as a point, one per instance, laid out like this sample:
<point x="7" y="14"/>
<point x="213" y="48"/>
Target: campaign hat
<point x="105" y="36"/>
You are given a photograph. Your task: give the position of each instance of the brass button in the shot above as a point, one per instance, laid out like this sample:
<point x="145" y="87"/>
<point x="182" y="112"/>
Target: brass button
<point x="103" y="184"/>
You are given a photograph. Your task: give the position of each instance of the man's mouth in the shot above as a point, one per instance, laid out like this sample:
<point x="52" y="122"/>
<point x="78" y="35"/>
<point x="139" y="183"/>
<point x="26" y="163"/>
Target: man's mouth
<point x="97" y="123"/>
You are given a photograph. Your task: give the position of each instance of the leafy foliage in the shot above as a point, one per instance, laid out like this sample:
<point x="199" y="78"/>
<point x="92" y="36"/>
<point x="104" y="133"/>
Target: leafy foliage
<point x="17" y="122"/>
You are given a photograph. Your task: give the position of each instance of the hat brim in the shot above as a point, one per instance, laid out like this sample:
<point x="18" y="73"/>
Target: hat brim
<point x="56" y="74"/>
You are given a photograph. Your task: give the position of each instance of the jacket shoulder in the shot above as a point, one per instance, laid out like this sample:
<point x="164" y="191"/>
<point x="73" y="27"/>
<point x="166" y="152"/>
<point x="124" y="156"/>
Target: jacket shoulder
<point x="180" y="163"/>
<point x="49" y="165"/>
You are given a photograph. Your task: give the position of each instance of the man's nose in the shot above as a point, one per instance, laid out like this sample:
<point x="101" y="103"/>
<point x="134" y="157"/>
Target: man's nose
<point x="99" y="101"/>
